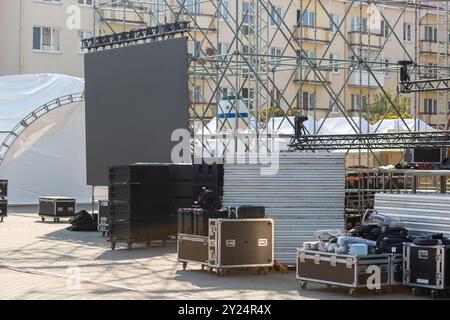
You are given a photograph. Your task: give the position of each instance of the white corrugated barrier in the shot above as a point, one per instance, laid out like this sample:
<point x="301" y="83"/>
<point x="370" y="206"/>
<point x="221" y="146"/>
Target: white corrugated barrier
<point x="306" y="194"/>
<point x="420" y="213"/>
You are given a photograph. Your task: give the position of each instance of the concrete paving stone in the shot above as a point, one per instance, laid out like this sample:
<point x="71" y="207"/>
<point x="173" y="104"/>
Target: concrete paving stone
<point x="43" y="260"/>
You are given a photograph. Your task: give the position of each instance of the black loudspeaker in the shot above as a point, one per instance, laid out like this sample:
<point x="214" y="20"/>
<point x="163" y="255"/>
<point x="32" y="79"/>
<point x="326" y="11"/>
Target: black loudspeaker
<point x="3" y="188"/>
<point x="246" y="212"/>
<point x="195" y="220"/>
<point x="3" y="209"/>
<point x="208" y="176"/>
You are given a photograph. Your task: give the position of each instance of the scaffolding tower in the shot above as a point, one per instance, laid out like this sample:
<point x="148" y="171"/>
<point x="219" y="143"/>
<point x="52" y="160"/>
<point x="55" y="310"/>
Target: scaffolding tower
<point x="319" y="58"/>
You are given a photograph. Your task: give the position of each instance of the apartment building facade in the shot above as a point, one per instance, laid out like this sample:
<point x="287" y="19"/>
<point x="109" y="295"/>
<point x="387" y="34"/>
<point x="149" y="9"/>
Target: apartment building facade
<point x="290" y="54"/>
<point x="43" y="36"/>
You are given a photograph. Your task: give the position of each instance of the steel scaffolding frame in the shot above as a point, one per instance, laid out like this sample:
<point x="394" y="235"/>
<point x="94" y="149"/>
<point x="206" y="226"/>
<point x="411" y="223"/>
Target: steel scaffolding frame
<point x="249" y="67"/>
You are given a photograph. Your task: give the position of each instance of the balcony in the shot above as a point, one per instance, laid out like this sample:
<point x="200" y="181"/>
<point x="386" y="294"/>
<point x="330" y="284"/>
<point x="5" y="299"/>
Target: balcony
<point x="204" y="21"/>
<point x="355" y="38"/>
<point x="366" y="78"/>
<point x="310" y="77"/>
<point x="426" y="46"/>
<point x="131" y="16"/>
<point x="308" y="34"/>
<point x="431" y="47"/>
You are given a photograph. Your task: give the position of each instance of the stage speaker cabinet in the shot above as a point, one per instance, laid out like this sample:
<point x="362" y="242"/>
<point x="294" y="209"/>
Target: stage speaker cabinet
<point x="246" y="212"/>
<point x="56" y="207"/>
<point x="237" y="243"/>
<point x="3" y="209"/>
<point x="426" y="266"/>
<point x="3" y="188"/>
<point x="192" y="248"/>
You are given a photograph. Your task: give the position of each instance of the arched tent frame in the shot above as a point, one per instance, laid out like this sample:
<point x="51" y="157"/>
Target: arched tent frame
<point x="35" y="115"/>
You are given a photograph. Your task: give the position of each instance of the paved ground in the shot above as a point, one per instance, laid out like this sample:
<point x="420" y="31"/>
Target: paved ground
<point x="42" y="260"/>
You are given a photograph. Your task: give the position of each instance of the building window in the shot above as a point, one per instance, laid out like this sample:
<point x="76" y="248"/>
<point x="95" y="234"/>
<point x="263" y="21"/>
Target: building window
<point x="431" y="69"/>
<point x="222" y="49"/>
<point x="197" y="94"/>
<point x="334" y="22"/>
<point x="384" y="29"/>
<point x="309" y="100"/>
<point x="430" y="34"/>
<point x="156" y="9"/>
<point x="275" y="54"/>
<point x="333" y="106"/>
<point x="223" y="93"/>
<point x="358" y="101"/>
<point x="85" y="2"/>
<point x="359" y="24"/>
<point x="276" y="16"/>
<point x="307" y="18"/>
<point x="407" y="32"/>
<point x="430" y="106"/>
<point x="334" y="62"/>
<point x="248" y="17"/>
<point x="248" y="95"/>
<point x="46" y="39"/>
<point x="223" y="10"/>
<point x="192" y="6"/>
<point x="386" y="67"/>
<point x="84" y="35"/>
<point x="197" y="49"/>
<point x="275" y="100"/>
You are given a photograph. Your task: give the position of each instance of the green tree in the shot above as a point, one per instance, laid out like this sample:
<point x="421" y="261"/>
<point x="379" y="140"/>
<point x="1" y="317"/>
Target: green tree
<point x="381" y="108"/>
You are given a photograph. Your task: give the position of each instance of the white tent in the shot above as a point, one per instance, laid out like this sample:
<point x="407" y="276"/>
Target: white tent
<point x="341" y="125"/>
<point x="397" y="125"/>
<point x="48" y="157"/>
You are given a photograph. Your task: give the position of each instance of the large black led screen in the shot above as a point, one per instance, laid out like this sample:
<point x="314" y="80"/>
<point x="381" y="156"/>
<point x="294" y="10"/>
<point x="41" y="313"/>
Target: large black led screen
<point x="135" y="97"/>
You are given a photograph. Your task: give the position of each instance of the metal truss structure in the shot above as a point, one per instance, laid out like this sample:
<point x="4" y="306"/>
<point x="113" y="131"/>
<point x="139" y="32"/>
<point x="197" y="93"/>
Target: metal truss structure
<point x="30" y="118"/>
<point x="162" y="31"/>
<point x="275" y="55"/>
<point x="397" y="140"/>
<point x="425" y="85"/>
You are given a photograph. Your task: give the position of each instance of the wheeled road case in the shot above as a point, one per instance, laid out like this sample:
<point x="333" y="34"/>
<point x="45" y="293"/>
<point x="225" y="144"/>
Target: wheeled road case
<point x="240" y="243"/>
<point x="343" y="270"/>
<point x="427" y="268"/>
<point x="192" y="248"/>
<point x="104" y="216"/>
<point x="56" y="207"/>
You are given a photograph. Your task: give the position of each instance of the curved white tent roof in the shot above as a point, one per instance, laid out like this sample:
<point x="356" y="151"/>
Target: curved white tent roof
<point x="397" y="125"/>
<point x="48" y="157"/>
<point x="340" y="125"/>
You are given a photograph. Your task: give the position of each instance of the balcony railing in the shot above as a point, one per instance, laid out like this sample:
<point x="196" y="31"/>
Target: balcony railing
<point x="309" y="76"/>
<point x="364" y="78"/>
<point x="307" y="33"/>
<point x="116" y="14"/>
<point x="432" y="47"/>
<point x="357" y="38"/>
<point x="202" y="21"/>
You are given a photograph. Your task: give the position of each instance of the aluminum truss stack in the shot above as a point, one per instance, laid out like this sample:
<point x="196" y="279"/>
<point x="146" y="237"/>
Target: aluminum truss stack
<point x="307" y="193"/>
<point x="420" y="213"/>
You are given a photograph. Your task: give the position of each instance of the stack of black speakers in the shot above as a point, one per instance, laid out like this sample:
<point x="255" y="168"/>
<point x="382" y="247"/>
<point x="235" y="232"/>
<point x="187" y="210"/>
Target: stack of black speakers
<point x="144" y="198"/>
<point x="3" y="199"/>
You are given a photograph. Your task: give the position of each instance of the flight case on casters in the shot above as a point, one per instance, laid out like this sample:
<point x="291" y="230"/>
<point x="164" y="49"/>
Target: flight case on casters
<point x="427" y="268"/>
<point x="240" y="243"/>
<point x="56" y="207"/>
<point x="343" y="270"/>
